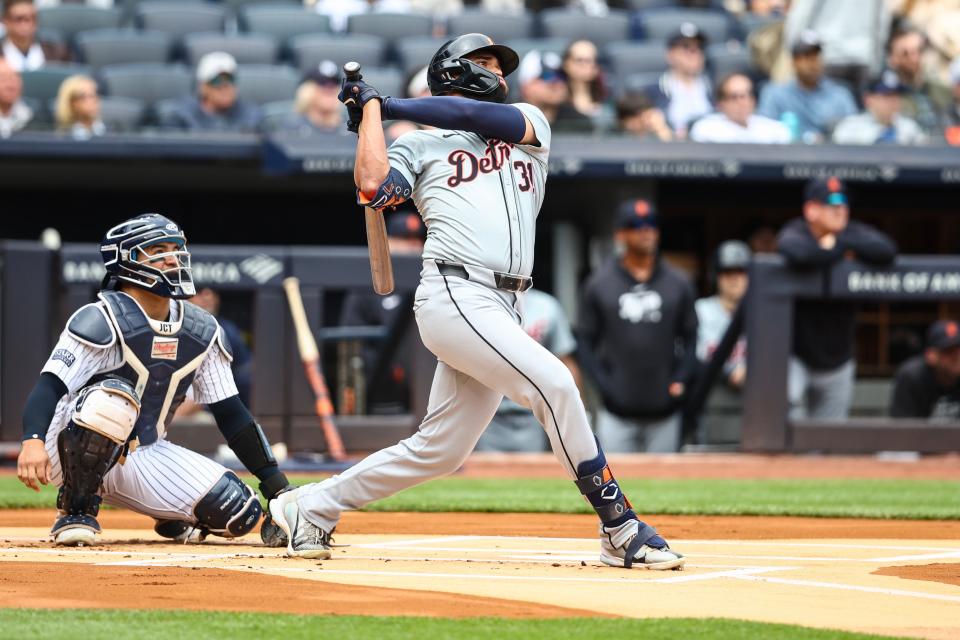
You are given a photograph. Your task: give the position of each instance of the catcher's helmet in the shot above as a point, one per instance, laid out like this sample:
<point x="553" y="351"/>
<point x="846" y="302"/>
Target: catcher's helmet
<point x="124" y="256"/>
<point x="449" y="70"/>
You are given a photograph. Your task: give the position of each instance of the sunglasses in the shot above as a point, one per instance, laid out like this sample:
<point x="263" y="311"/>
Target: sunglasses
<point x="222" y="80"/>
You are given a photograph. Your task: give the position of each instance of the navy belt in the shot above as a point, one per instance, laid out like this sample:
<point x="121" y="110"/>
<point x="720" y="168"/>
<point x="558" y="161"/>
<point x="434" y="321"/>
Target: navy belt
<point x="505" y="281"/>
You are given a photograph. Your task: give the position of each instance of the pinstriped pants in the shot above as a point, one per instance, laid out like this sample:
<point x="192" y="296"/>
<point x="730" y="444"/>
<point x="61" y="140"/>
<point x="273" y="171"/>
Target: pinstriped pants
<point x="484" y="354"/>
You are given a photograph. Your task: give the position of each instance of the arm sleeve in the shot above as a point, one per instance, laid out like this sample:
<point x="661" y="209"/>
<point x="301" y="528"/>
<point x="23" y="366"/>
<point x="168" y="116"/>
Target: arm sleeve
<point x="41" y="405"/>
<point x="489" y="119"/>
<point x="214" y="380"/>
<point x="868" y="243"/>
<point x="245" y="437"/>
<point x="801" y="249"/>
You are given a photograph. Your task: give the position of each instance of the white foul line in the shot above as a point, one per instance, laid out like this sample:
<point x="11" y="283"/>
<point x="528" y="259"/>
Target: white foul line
<point x="848" y="587"/>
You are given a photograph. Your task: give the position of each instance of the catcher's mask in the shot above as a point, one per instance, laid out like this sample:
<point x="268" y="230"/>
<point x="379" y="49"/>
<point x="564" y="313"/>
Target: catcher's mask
<point x="125" y="256"/>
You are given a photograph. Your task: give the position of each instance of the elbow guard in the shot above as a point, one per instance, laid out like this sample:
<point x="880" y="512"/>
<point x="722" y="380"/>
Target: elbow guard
<point x="391" y="192"/>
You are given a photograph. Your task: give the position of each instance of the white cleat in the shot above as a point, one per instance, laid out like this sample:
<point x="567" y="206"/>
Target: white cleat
<point x="304" y="539"/>
<point x="623" y="547"/>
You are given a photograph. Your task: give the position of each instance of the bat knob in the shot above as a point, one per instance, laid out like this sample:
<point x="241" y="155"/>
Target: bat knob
<point x="351" y="70"/>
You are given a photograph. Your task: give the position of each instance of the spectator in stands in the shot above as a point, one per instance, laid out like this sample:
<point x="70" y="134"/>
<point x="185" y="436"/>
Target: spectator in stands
<point x="20" y="46"/>
<point x="939" y="21"/>
<point x="638" y="337"/>
<point x="14" y="114"/>
<point x="316" y="107"/>
<point x="341" y="10"/>
<point x="585" y="79"/>
<point x="715" y="313"/>
<point x="637" y="116"/>
<point x="735" y="120"/>
<point x="216" y="106"/>
<point x="822" y="367"/>
<point x="99" y="4"/>
<point x="683" y="91"/>
<point x="78" y="108"/>
<point x="514" y="428"/>
<point x="952" y="132"/>
<point x="543" y="85"/>
<point x="811" y="105"/>
<point x="390" y="392"/>
<point x="883" y="121"/>
<point x="925" y="99"/>
<point x="928" y="385"/>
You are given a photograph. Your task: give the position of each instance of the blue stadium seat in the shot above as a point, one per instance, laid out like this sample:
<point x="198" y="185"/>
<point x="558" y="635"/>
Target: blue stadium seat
<point x="70" y="19"/>
<point x="275" y="114"/>
<point x="391" y="26"/>
<point x="180" y="18"/>
<point x="121" y="114"/>
<point x="247" y="48"/>
<point x="42" y="85"/>
<point x="150" y="83"/>
<point x="112" y="46"/>
<point x="282" y="22"/>
<point x="660" y="24"/>
<point x="636" y="82"/>
<point x="309" y="50"/>
<point x="389" y="81"/>
<point x="499" y="26"/>
<point x="727" y="57"/>
<point x="574" y="25"/>
<point x="626" y="57"/>
<point x="263" y="83"/>
<point x="414" y="53"/>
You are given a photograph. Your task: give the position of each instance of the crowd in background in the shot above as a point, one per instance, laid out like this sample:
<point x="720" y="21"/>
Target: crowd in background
<point x="758" y="71"/>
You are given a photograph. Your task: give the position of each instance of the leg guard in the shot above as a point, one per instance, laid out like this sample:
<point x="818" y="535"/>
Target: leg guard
<point x="230" y="509"/>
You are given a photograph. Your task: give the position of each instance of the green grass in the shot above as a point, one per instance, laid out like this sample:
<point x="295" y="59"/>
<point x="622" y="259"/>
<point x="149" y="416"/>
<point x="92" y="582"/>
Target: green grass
<point x="910" y="499"/>
<point x="38" y="624"/>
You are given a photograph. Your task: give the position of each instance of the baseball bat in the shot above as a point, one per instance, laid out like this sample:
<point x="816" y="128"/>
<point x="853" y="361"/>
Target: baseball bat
<point x="310" y="355"/>
<point x="381" y="268"/>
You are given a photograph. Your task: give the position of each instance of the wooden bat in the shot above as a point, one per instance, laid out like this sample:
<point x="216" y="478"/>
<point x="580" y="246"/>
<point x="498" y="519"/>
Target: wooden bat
<point x="310" y="356"/>
<point x="381" y="268"/>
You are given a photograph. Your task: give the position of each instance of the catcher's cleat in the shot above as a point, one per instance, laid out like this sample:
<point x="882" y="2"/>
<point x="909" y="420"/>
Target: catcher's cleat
<point x="180" y="531"/>
<point x="75" y="531"/>
<point x="304" y="539"/>
<point x="636" y="544"/>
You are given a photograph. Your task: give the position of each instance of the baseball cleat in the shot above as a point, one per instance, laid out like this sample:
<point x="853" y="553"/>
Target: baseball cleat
<point x="180" y="531"/>
<point x="623" y="547"/>
<point x="304" y="539"/>
<point x="75" y="531"/>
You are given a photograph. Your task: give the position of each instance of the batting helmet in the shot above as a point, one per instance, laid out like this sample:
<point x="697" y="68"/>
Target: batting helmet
<point x="124" y="256"/>
<point x="449" y="70"/>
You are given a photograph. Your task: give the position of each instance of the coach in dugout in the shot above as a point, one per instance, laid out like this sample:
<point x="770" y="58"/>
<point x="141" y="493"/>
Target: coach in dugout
<point x="928" y="385"/>
<point x="822" y="367"/>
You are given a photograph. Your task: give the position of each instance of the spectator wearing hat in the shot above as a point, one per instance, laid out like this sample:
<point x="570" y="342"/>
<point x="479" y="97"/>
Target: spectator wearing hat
<point x="883" y="121"/>
<point x="735" y="120"/>
<point x="925" y="100"/>
<point x="542" y="84"/>
<point x="406" y="234"/>
<point x="14" y="114"/>
<point x="585" y="79"/>
<point x="952" y="131"/>
<point x="637" y="116"/>
<point x="811" y="104"/>
<point x="683" y="91"/>
<point x="316" y="108"/>
<point x="20" y="45"/>
<point x="821" y="373"/>
<point x="216" y="106"/>
<point x="715" y="313"/>
<point x="638" y="337"/>
<point x="928" y="385"/>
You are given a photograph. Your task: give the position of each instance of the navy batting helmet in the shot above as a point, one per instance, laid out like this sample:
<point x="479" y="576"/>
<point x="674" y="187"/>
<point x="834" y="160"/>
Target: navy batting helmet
<point x="449" y="70"/>
<point x="124" y="254"/>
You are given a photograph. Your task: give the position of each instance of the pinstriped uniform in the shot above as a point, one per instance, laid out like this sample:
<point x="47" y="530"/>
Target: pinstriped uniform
<point x="479" y="200"/>
<point x="162" y="480"/>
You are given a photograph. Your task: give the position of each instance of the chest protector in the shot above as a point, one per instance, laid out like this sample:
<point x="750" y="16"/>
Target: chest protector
<point x="159" y="359"/>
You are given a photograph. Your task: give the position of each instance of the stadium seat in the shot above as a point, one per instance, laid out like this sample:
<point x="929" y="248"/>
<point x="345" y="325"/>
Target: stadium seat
<point x="275" y="114"/>
<point x="660" y="24"/>
<point x="70" y="19"/>
<point x="391" y="26"/>
<point x="499" y="26"/>
<point x="636" y="82"/>
<point x="282" y="22"/>
<point x="573" y="25"/>
<point x="415" y="53"/>
<point x="309" y="50"/>
<point x="180" y="18"/>
<point x="42" y="85"/>
<point x="263" y="83"/>
<point x="526" y="45"/>
<point x="247" y="48"/>
<point x="112" y="46"/>
<point x="389" y="81"/>
<point x="121" y="114"/>
<point x="626" y="57"/>
<point x="727" y="57"/>
<point x="150" y="83"/>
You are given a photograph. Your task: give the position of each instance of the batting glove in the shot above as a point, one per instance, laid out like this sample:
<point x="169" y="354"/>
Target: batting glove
<point x="357" y="93"/>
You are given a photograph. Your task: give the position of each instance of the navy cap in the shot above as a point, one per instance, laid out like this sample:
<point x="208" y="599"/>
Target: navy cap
<point x="406" y="225"/>
<point x="943" y="334"/>
<point x="807" y="42"/>
<point x="829" y="190"/>
<point x="326" y="73"/>
<point x="637" y="214"/>
<point x="687" y="31"/>
<point x="887" y="83"/>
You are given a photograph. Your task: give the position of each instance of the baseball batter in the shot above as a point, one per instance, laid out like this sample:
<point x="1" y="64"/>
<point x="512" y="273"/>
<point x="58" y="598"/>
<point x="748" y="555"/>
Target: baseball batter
<point x="478" y="180"/>
<point x="94" y="425"/>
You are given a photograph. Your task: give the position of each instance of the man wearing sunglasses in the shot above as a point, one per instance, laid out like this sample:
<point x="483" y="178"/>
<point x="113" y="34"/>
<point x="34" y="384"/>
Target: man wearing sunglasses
<point x="20" y="47"/>
<point x="216" y="106"/>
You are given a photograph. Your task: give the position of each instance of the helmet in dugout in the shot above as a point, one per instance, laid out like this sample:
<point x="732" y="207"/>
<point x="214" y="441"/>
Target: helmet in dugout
<point x="124" y="254"/>
<point x="450" y="71"/>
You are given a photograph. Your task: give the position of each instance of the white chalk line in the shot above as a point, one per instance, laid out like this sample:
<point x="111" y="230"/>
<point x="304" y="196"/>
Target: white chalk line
<point x="848" y="587"/>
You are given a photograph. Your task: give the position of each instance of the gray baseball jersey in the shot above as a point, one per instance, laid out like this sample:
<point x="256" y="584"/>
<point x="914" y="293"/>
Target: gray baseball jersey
<point x="480" y="200"/>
